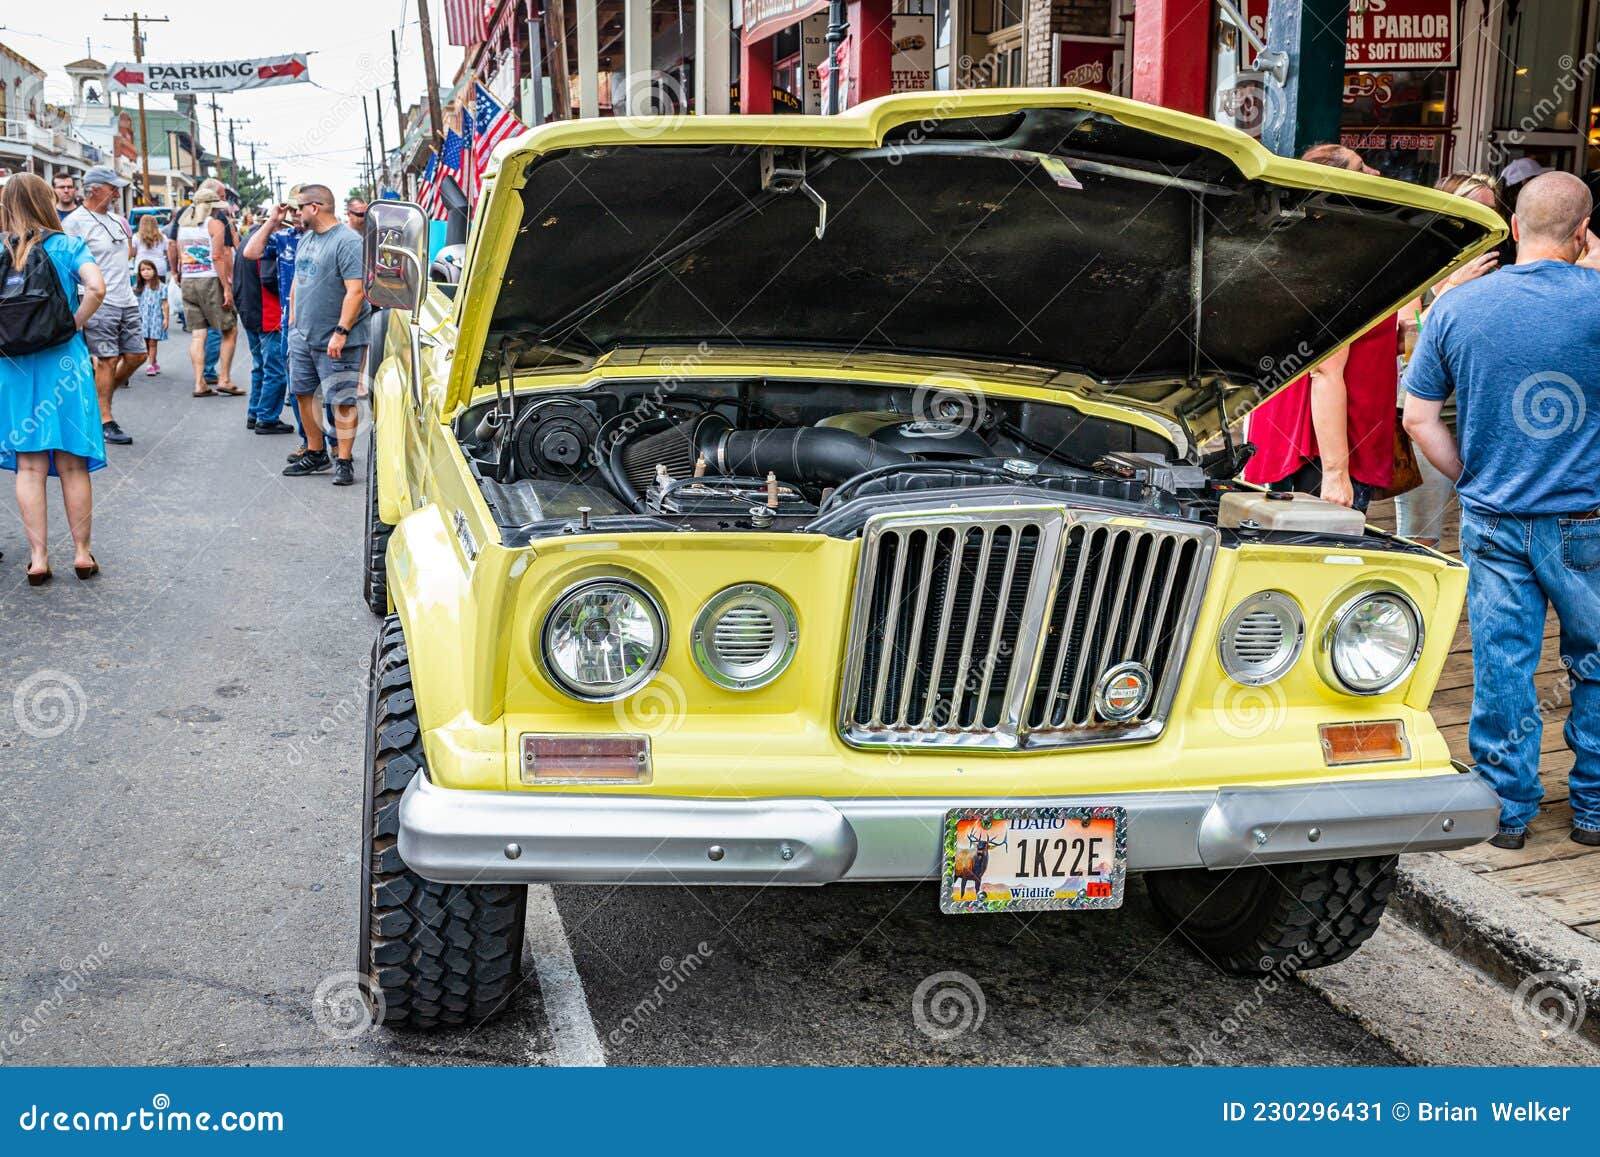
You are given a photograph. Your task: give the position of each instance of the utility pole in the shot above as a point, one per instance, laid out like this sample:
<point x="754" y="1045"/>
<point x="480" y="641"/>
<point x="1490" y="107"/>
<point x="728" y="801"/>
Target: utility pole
<point x="216" y="135"/>
<point x="430" y="72"/>
<point x="372" y="174"/>
<point x="233" y="153"/>
<point x="383" y="146"/>
<point x="138" y="56"/>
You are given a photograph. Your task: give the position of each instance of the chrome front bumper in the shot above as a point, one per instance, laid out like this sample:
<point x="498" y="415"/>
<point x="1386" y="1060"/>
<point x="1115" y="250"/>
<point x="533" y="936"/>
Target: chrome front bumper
<point x="487" y="837"/>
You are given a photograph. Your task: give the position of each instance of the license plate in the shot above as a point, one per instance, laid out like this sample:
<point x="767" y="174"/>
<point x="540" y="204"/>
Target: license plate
<point x="1032" y="859"/>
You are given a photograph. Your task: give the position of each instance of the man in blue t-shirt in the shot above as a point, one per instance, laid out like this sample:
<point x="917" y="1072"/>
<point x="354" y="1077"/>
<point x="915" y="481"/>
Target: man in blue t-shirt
<point x="279" y="238"/>
<point x="1520" y="349"/>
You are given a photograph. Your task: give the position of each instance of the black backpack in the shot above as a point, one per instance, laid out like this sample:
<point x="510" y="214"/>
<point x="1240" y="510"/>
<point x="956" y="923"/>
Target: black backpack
<point x="34" y="314"/>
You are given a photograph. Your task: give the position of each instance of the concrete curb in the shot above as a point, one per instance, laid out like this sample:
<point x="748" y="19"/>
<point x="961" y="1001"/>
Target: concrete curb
<point x="1489" y="928"/>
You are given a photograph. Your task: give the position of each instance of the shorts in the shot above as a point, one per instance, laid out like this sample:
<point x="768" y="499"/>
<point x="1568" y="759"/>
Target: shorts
<point x="202" y="304"/>
<point x="340" y="378"/>
<point x="113" y="330"/>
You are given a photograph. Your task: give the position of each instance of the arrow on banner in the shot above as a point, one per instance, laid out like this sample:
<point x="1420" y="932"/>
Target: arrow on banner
<point x="128" y="76"/>
<point x="290" y="68"/>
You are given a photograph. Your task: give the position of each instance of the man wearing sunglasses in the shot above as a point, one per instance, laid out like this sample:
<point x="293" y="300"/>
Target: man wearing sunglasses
<point x="327" y="337"/>
<point x="355" y="214"/>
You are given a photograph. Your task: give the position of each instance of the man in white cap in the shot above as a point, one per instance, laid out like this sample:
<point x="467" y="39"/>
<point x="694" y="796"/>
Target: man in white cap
<point x="115" y="335"/>
<point x="1519" y="171"/>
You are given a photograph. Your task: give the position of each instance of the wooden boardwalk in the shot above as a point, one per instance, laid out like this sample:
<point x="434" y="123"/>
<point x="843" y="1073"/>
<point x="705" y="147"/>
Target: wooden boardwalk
<point x="1550" y="872"/>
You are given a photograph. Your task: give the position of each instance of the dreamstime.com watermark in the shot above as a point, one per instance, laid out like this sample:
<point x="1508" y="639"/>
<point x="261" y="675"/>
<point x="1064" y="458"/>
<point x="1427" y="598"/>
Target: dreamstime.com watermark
<point x="948" y="1005"/>
<point x="48" y="704"/>
<point x="674" y="974"/>
<point x="1277" y="974"/>
<point x="76" y="975"/>
<point x="1550" y="1004"/>
<point x="160" y="1117"/>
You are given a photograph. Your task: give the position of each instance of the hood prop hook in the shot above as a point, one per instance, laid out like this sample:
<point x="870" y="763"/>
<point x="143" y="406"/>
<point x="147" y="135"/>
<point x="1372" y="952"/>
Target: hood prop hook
<point x="790" y="178"/>
<point x="505" y="405"/>
<point x="1232" y="456"/>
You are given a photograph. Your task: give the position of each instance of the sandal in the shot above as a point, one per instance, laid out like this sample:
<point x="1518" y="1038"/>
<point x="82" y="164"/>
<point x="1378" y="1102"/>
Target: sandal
<point x="231" y="391"/>
<point x="204" y="394"/>
<point x="39" y="578"/>
<point x="87" y="572"/>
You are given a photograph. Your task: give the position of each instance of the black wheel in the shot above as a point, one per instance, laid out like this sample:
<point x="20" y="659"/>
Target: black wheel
<point x="1256" y="920"/>
<point x="433" y="954"/>
<point x="375" y="543"/>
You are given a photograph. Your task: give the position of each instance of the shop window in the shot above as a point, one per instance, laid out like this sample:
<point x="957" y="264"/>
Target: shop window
<point x="1416" y="98"/>
<point x="1537" y="93"/>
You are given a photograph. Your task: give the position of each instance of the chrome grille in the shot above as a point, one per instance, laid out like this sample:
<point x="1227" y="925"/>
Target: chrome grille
<point x="991" y="628"/>
<point x="1259" y="638"/>
<point x="743" y="635"/>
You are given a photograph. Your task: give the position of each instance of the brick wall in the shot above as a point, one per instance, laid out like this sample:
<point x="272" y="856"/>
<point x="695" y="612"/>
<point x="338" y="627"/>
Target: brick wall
<point x="1047" y="17"/>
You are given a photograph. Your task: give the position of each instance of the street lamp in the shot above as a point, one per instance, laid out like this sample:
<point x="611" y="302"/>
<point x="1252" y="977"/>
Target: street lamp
<point x="838" y="29"/>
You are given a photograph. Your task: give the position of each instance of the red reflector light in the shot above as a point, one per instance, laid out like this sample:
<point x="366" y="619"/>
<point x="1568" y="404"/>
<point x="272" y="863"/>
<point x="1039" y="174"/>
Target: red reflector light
<point x="585" y="759"/>
<point x="1377" y="742"/>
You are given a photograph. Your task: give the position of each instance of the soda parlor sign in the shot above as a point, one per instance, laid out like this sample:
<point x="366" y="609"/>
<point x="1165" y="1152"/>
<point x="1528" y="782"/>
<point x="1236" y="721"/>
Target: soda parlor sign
<point x="1401" y="34"/>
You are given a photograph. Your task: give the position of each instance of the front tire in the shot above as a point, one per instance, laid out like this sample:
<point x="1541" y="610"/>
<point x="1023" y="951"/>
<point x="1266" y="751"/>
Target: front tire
<point x="375" y="542"/>
<point x="433" y="954"/>
<point x="1256" y="920"/>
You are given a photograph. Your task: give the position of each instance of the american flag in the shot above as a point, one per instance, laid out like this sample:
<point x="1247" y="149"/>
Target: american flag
<point x="450" y="160"/>
<point x="491" y="124"/>
<point x="465" y="21"/>
<point x="428" y="195"/>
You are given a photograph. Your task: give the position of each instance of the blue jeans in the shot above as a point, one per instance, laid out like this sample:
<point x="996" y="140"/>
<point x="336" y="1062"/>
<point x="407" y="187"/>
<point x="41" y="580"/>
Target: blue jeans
<point x="213" y="351"/>
<point x="267" y="380"/>
<point x="1516" y="565"/>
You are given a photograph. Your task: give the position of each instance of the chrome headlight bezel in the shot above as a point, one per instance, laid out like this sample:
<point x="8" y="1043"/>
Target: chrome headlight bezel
<point x="1293" y="620"/>
<point x="621" y="690"/>
<point x="1328" y="661"/>
<point x="779" y="654"/>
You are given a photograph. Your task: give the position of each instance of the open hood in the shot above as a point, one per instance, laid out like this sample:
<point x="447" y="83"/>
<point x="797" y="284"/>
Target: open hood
<point x="1143" y="257"/>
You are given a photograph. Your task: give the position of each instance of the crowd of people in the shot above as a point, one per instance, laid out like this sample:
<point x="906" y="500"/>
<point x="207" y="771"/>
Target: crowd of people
<point x="103" y="294"/>
<point x="1488" y="386"/>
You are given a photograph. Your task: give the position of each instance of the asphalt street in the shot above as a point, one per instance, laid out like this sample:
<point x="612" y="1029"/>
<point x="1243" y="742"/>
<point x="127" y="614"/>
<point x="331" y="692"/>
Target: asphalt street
<point x="180" y="742"/>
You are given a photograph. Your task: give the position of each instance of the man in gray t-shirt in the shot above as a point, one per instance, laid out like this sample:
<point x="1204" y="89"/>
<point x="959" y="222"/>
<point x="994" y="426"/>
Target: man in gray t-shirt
<point x="327" y="342"/>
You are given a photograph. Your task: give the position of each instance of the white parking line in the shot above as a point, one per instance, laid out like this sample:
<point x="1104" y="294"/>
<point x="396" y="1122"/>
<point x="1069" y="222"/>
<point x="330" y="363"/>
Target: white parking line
<point x="573" y="1038"/>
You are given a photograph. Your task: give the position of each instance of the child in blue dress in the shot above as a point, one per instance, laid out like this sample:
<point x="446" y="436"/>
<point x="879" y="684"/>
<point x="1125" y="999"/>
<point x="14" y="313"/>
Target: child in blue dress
<point x="49" y="414"/>
<point x="152" y="310"/>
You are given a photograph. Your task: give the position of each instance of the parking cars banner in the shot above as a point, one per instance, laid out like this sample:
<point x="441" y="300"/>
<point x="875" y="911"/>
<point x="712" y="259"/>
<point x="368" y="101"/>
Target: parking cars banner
<point x="208" y="76"/>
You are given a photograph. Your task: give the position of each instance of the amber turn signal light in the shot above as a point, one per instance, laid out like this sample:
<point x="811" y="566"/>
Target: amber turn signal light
<point x="588" y="759"/>
<point x="1377" y="742"/>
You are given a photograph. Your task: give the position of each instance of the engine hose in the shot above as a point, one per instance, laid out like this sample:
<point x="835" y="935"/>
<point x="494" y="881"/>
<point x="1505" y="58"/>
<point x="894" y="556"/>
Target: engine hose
<point x="808" y="454"/>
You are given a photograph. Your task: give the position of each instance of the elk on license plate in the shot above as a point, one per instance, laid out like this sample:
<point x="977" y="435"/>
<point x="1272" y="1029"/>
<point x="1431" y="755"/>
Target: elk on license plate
<point x="1030" y="859"/>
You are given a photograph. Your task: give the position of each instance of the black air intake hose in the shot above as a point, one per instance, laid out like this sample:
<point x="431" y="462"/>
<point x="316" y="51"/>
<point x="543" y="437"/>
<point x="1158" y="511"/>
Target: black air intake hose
<point x="808" y="454"/>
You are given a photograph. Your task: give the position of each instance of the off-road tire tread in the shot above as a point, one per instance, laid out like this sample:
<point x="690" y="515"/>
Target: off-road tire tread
<point x="436" y="954"/>
<point x="1315" y="914"/>
<point x="375" y="566"/>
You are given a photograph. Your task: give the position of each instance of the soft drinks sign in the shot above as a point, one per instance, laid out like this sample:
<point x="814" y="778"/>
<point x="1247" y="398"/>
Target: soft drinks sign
<point x="1401" y="34"/>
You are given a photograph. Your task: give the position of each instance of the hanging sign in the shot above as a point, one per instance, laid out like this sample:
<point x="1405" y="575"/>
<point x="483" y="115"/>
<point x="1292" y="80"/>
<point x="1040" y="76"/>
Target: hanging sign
<point x="1086" y="61"/>
<point x="207" y="76"/>
<point x="1401" y="34"/>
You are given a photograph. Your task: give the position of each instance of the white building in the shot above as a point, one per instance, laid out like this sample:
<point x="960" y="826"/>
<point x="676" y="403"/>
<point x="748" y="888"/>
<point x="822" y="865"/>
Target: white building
<point x="35" y="136"/>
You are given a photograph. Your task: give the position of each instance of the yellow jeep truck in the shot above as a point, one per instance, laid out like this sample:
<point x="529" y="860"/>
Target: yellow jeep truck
<point x="796" y="500"/>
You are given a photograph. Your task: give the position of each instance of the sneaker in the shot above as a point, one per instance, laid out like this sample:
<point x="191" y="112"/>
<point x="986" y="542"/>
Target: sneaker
<point x="296" y="455"/>
<point x="151" y="370"/>
<point x="115" y="434"/>
<point x="344" y="472"/>
<point x="274" y="427"/>
<point x="249" y="423"/>
<point x="311" y="462"/>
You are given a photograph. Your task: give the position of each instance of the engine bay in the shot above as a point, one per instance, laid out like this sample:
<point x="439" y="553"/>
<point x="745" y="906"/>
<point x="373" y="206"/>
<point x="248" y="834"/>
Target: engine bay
<point x="788" y="455"/>
<point x="815" y="456"/>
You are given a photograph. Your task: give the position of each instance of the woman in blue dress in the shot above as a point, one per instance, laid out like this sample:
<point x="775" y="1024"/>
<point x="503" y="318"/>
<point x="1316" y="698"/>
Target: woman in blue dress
<point x="49" y="414"/>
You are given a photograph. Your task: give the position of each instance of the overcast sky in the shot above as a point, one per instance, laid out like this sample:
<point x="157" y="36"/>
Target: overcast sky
<point x="309" y="131"/>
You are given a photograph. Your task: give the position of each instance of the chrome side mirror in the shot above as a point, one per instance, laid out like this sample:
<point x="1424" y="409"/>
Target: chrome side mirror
<point x="395" y="255"/>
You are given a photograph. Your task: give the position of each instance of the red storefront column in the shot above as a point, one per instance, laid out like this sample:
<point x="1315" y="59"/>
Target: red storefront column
<point x="871" y="47"/>
<point x="1171" y="53"/>
<point x="755" y="76"/>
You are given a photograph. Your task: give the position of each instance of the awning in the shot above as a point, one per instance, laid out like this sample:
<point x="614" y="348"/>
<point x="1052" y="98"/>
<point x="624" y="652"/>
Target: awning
<point x="763" y="18"/>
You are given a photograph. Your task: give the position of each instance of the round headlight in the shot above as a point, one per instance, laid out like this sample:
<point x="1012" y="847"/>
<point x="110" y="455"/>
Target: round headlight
<point x="745" y="637"/>
<point x="1374" y="641"/>
<point x="1261" y="638"/>
<point x="603" y="639"/>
